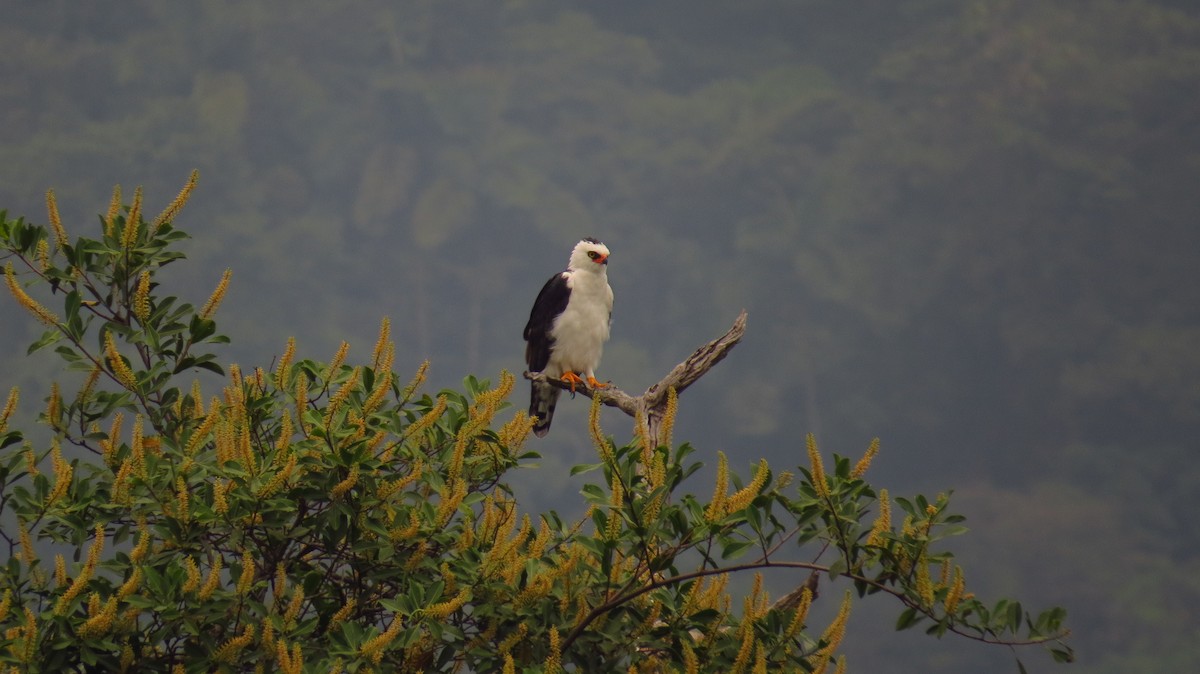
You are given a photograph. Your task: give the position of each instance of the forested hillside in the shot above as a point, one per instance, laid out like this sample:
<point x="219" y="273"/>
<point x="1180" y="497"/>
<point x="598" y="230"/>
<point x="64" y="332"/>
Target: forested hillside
<point x="970" y="229"/>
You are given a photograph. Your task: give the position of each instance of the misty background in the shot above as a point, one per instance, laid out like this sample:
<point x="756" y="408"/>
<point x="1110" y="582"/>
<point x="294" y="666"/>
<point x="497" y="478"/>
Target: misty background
<point x="970" y="229"/>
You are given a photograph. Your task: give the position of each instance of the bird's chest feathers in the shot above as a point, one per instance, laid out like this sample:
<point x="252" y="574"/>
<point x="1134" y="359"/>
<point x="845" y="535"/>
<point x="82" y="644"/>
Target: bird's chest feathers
<point x="580" y="331"/>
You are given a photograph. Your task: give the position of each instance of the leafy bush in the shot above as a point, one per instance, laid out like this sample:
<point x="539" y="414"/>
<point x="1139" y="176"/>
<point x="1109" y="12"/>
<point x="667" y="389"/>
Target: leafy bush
<point x="325" y="516"/>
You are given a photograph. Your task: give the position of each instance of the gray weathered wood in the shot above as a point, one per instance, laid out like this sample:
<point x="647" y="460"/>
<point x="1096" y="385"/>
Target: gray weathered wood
<point x="653" y="402"/>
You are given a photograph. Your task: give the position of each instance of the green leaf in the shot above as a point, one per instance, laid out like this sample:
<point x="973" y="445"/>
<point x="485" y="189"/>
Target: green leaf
<point x="49" y="337"/>
<point x="201" y="328"/>
<point x="734" y="548"/>
<point x="908" y="618"/>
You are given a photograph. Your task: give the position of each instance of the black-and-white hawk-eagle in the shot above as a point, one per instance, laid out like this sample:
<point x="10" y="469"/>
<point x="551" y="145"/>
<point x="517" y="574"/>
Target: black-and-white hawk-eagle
<point x="567" y="328"/>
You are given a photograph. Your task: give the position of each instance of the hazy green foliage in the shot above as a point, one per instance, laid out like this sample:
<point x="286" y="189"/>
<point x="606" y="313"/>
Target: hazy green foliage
<point x="323" y="517"/>
<point x="969" y="227"/>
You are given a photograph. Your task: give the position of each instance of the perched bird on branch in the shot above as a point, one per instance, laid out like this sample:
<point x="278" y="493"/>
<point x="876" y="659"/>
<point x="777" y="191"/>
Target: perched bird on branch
<point x="567" y="328"/>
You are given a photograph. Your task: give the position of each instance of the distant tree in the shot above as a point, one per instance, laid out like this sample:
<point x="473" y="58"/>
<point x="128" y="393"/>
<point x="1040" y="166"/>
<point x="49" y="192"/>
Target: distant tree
<point x="325" y="516"/>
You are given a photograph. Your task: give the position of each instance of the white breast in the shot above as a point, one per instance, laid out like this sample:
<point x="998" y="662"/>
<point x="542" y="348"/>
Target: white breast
<point x="580" y="331"/>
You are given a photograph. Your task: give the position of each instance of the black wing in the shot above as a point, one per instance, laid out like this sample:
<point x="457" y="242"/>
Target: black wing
<point x="551" y="302"/>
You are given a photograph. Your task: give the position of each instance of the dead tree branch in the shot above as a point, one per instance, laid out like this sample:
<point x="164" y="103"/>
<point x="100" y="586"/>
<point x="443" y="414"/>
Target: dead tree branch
<point x="653" y="402"/>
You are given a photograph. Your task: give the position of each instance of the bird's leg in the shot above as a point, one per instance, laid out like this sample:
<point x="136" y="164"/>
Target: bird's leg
<point x="594" y="383"/>
<point x="572" y="379"/>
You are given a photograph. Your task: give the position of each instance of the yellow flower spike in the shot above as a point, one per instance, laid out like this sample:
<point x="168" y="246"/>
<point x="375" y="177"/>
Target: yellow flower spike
<point x="924" y="582"/>
<point x="461" y="441"/>
<point x="126" y="656"/>
<point x="85" y="574"/>
<point x="612" y="529"/>
<point x="137" y="447"/>
<point x="537" y="547"/>
<point x="285" y="364"/>
<point x="800" y="616"/>
<point x="338" y="399"/>
<point x="100" y="618"/>
<point x="31" y="305"/>
<point x="379" y="354"/>
<point x="956" y="591"/>
<point x="514" y="433"/>
<point x="442" y="610"/>
<point x="132" y="584"/>
<point x="292" y="613"/>
<point x="192" y="582"/>
<point x="60" y="234"/>
<point x="132" y="220"/>
<point x="510" y="667"/>
<point x="691" y="663"/>
<point x="716" y="509"/>
<point x="42" y="254"/>
<point x="54" y="406"/>
<point x="339" y="357"/>
<point x="427" y="420"/>
<point x="383" y="386"/>
<point x="832" y="636"/>
<point x="31" y="461"/>
<point x="117" y="364"/>
<point x="817" y="467"/>
<point x="89" y="384"/>
<point x="667" y="425"/>
<point x="415" y="383"/>
<point x="121" y="484"/>
<point x="596" y="433"/>
<point x="245" y="451"/>
<point x="114" y="209"/>
<point x="864" y="463"/>
<point x="343" y="613"/>
<point x="60" y="571"/>
<point x="28" y="554"/>
<point x="213" y="580"/>
<point x="279" y="585"/>
<point x="340" y="489"/>
<point x="10" y="405"/>
<point x="177" y="203"/>
<point x="450" y="498"/>
<point x="246" y="577"/>
<point x="218" y="294"/>
<point x="301" y="394"/>
<point x="221" y="489"/>
<point x="5" y="604"/>
<point x="197" y="400"/>
<point x="141" y="298"/>
<point x="229" y="651"/>
<point x="200" y="435"/>
<point x="643" y="436"/>
<point x="31" y="633"/>
<point x="554" y="659"/>
<point x="374" y="647"/>
<point x="63" y="472"/>
<point x="743" y="497"/>
<point x="744" y="652"/>
<point x="279" y="479"/>
<point x="760" y="659"/>
<point x="138" y="554"/>
<point x="883" y="523"/>
<point x="181" y="498"/>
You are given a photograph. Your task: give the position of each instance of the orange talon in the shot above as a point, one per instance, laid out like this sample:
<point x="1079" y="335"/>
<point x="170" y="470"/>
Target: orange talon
<point x="572" y="379"/>
<point x="595" y="384"/>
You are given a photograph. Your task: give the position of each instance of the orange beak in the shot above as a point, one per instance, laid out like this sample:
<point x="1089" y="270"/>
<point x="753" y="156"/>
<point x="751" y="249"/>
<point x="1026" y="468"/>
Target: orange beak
<point x="603" y="259"/>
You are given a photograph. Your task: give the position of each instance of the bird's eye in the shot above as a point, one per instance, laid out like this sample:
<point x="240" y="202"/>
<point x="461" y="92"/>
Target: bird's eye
<point x="593" y="254"/>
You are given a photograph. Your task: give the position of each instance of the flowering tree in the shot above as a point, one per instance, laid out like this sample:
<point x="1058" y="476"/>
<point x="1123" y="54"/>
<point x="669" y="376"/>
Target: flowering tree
<point x="328" y="516"/>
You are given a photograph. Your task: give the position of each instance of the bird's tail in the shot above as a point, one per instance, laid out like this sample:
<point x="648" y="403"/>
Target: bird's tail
<point x="543" y="398"/>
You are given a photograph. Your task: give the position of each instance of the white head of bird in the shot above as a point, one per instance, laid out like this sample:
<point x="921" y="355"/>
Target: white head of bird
<point x="589" y="255"/>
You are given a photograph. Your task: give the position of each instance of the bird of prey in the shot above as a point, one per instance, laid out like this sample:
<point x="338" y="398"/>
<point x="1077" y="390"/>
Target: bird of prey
<point x="567" y="328"/>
